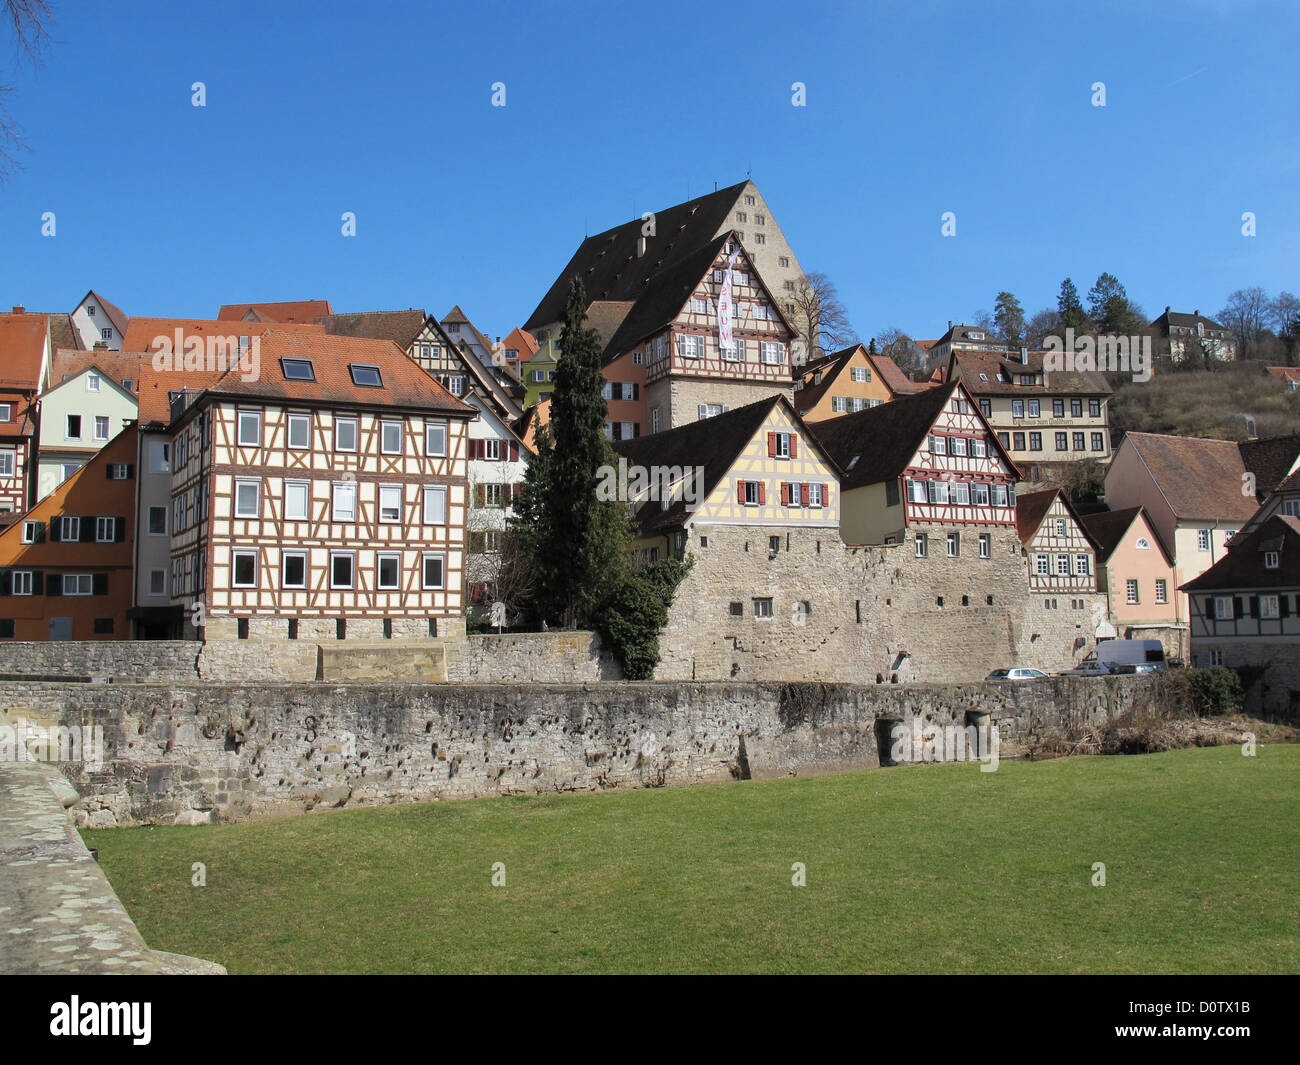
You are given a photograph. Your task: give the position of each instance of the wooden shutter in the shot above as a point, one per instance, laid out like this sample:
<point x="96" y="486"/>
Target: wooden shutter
<point x="785" y="494"/>
<point x="99" y="584"/>
<point x="54" y="584"/>
<point x="805" y="493"/>
<point x="794" y="446"/>
<point x="771" y="445"/>
<point x="826" y="495"/>
<point x="762" y="492"/>
<point x="1238" y="607"/>
<point x="514" y="450"/>
<point x="480" y="495"/>
<point x="6" y="582"/>
<point x="740" y="491"/>
<point x="87" y="530"/>
<point x="476" y="542"/>
<point x="130" y="471"/>
<point x="56" y="530"/>
<point x="1284" y="605"/>
<point x="1254" y="606"/>
<point x="119" y="530"/>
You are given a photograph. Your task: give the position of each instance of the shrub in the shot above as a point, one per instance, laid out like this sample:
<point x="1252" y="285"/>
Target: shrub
<point x="1216" y="691"/>
<point x="636" y="612"/>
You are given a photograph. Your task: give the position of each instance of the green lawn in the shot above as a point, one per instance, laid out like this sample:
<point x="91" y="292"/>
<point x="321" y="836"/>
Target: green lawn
<point x="912" y="869"/>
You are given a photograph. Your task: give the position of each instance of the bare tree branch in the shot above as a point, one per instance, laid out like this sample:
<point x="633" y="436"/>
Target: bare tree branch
<point x="29" y="20"/>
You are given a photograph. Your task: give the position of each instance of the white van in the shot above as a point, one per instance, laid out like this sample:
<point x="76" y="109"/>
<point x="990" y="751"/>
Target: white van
<point x="1121" y="656"/>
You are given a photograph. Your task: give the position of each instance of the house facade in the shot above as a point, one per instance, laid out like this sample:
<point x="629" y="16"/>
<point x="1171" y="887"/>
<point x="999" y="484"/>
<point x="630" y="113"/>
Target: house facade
<point x="847" y="381"/>
<point x="1044" y="419"/>
<point x="498" y="462"/>
<point x="99" y="323"/>
<point x="65" y="564"/>
<point x="1245" y="613"/>
<point x="325" y="500"/>
<point x="78" y="416"/>
<point x="1059" y="556"/>
<point x="1136" y="572"/>
<point x="1180" y="334"/>
<point x="24" y="364"/>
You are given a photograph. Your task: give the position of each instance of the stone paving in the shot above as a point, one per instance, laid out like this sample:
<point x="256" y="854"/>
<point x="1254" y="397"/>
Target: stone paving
<point x="58" y="912"/>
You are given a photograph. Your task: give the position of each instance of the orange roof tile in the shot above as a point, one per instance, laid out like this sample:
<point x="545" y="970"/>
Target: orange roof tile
<point x="22" y="349"/>
<point x="299" y="312"/>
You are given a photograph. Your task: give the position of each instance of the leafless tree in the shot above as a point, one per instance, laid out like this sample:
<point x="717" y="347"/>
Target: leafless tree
<point x="29" y="20"/>
<point x="906" y="352"/>
<point x="820" y="317"/>
<point x="1246" y="313"/>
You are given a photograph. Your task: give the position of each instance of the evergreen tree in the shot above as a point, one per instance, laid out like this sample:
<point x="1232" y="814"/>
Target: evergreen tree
<point x="1010" y="319"/>
<point x="1109" y="307"/>
<point x="1069" y="307"/>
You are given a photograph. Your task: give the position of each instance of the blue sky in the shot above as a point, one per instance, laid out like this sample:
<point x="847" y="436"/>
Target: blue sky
<point x="913" y="109"/>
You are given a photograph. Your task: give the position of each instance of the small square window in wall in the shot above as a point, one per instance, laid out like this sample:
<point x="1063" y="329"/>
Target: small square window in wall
<point x="737" y="610"/>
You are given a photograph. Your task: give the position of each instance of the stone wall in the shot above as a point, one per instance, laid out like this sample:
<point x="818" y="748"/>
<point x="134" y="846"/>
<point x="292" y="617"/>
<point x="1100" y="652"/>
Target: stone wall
<point x="1270" y="672"/>
<point x="539" y="657"/>
<point x="197" y="753"/>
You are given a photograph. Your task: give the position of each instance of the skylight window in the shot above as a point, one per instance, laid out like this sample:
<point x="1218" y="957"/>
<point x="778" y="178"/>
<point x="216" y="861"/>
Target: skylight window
<point x="298" y="369"/>
<point x="366" y="376"/>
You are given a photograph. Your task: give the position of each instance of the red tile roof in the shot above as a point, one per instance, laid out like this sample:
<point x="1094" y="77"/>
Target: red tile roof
<point x="22" y="348"/>
<point x="118" y="365"/>
<point x="1284" y="373"/>
<point x="1198" y="478"/>
<point x="405" y="384"/>
<point x="119" y="320"/>
<point x="299" y="312"/>
<point x="523" y="342"/>
<point x="1243" y="565"/>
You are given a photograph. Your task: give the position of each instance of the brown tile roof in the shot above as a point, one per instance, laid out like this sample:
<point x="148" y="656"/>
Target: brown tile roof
<point x="118" y="366"/>
<point x="1198" y="478"/>
<point x="605" y="316"/>
<point x="876" y="444"/>
<point x="401" y="327"/>
<point x="405" y="383"/>
<point x="1181" y="319"/>
<point x="523" y="342"/>
<point x="300" y="312"/>
<point x="120" y="321"/>
<point x="527" y="424"/>
<point x="994" y="364"/>
<point x="1031" y="509"/>
<point x="22" y="349"/>
<point x="1291" y="484"/>
<point x="897" y="381"/>
<point x="830" y="367"/>
<point x="610" y="267"/>
<point x="1107" y="528"/>
<point x="1270" y="460"/>
<point x="155" y="384"/>
<point x="63" y="334"/>
<point x="1243" y="565"/>
<point x="1284" y="373"/>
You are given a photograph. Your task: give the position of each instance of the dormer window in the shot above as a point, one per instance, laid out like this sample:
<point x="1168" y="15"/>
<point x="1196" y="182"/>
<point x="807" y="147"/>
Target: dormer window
<point x="1271" y="560"/>
<point x="977" y="336"/>
<point x="298" y="369"/>
<point x="366" y="376"/>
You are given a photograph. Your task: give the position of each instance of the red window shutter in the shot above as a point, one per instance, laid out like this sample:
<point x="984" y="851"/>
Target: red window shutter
<point x="762" y="492"/>
<point x="740" y="491"/>
<point x="805" y="494"/>
<point x="514" y="450"/>
<point x="771" y="445"/>
<point x="480" y="495"/>
<point x="794" y="446"/>
<point x="785" y="494"/>
<point x="826" y="495"/>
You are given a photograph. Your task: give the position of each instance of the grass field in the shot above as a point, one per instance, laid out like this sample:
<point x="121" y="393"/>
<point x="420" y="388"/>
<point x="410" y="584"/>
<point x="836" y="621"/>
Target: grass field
<point x="912" y="869"/>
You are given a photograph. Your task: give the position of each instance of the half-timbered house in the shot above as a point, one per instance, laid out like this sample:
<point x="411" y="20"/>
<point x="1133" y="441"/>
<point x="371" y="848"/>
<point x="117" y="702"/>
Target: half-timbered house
<point x="325" y="499"/>
<point x="1059" y="556"/>
<point x="24" y="364"/>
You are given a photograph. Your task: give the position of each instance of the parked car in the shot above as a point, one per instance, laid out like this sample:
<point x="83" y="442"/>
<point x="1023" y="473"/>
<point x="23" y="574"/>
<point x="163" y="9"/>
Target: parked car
<point x="1018" y="673"/>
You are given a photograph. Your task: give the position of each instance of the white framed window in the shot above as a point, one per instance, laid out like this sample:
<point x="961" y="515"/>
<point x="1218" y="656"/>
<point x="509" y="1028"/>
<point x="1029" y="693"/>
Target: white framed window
<point x="73" y="427"/>
<point x="772" y="352"/>
<point x="345" y="501"/>
<point x="248" y="498"/>
<point x="957" y="445"/>
<point x="296" y="494"/>
<point x="299" y="431"/>
<point x="817" y="495"/>
<point x="22" y="582"/>
<point x="342" y="568"/>
<point x="1001" y="497"/>
<point x="434" y="569"/>
<point x="1017" y="408"/>
<point x="435" y="439"/>
<point x="492" y="450"/>
<point x="938" y="491"/>
<point x="979" y="495"/>
<point x="435" y="504"/>
<point x="922" y="545"/>
<point x="1060" y="526"/>
<point x="1082" y="566"/>
<point x="938" y="445"/>
<point x="243" y="569"/>
<point x="1223" y="608"/>
<point x="1162" y="590"/>
<point x="1062" y="565"/>
<point x="1269" y="607"/>
<point x="959" y="493"/>
<point x="690" y="346"/>
<point x="763" y="607"/>
<point x="840" y="404"/>
<point x="31" y="532"/>
<point x="699" y="306"/>
<point x="293" y="569"/>
<point x="77" y="584"/>
<point x="1202" y="539"/>
<point x="986" y="545"/>
<point x="390" y="503"/>
<point x="1271" y="560"/>
<point x="493" y="495"/>
<point x="783" y="445"/>
<point x="708" y="410"/>
<point x="7" y="462"/>
<point x="1034" y="409"/>
<point x="105" y="530"/>
<point x="1042" y="565"/>
<point x="157" y="582"/>
<point x="388" y="571"/>
<point x="733" y="352"/>
<point x="250" y="428"/>
<point x="345" y="434"/>
<point x="638" y="358"/>
<point x="101" y="427"/>
<point x="92" y="382"/>
<point x="1131" y="590"/>
<point x="69" y="529"/>
<point x="954" y="544"/>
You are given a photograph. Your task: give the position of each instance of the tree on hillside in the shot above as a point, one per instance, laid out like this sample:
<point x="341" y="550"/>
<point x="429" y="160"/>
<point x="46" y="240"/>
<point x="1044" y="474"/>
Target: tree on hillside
<point x="1245" y="315"/>
<point x="1110" y="309"/>
<point x="1069" y="308"/>
<point x="1286" y="322"/>
<point x="29" y="20"/>
<point x="906" y="352"/>
<point x="577" y="541"/>
<point x="1009" y="317"/>
<point x="820" y="317"/>
<point x="1044" y="324"/>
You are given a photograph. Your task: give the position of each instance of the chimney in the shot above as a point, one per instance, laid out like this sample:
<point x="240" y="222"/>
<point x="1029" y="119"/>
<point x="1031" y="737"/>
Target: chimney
<point x="19" y="309"/>
<point x="1024" y="356"/>
<point x="949" y="323"/>
<point x="1166" y="308"/>
<point x="1197" y="312"/>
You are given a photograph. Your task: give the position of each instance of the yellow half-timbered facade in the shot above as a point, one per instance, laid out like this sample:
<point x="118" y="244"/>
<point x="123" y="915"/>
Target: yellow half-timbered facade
<point x="1058" y="553"/>
<point x="327" y="499"/>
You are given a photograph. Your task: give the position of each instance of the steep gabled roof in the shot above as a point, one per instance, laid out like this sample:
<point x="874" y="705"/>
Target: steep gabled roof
<point x="299" y="312"/>
<point x="830" y="367"/>
<point x="117" y="366"/>
<point x="878" y="443"/>
<point x="120" y="321"/>
<point x="1198" y="478"/>
<point x="23" y="340"/>
<point x="610" y="267"/>
<point x="997" y="365"/>
<point x="523" y="342"/>
<point x="1243" y="565"/>
<point x="1270" y="460"/>
<point x="1107" y="529"/>
<point x="714" y="443"/>
<point x="1178" y="318"/>
<point x="505" y="399"/>
<point x="895" y="380"/>
<point x="401" y="327"/>
<point x="1031" y="509"/>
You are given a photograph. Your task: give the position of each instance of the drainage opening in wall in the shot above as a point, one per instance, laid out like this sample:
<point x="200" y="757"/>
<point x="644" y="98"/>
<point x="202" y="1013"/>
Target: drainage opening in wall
<point x="885" y="739"/>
